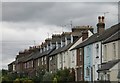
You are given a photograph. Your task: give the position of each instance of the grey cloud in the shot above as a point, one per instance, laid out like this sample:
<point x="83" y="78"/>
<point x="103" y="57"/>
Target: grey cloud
<point x="11" y="48"/>
<point x="32" y="15"/>
<point x="50" y="12"/>
<point x="22" y="11"/>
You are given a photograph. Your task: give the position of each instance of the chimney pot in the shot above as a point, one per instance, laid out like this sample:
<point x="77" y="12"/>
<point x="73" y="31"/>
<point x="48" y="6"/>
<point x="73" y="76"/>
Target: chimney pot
<point x="101" y="24"/>
<point x="99" y="19"/>
<point x="103" y="19"/>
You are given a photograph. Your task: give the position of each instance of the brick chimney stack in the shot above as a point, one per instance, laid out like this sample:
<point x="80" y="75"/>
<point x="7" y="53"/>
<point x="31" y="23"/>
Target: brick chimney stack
<point x="100" y="25"/>
<point x="48" y="40"/>
<point x="84" y="35"/>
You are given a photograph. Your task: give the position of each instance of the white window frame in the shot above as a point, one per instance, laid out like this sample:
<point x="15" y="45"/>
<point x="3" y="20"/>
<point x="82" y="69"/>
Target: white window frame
<point x="114" y="50"/>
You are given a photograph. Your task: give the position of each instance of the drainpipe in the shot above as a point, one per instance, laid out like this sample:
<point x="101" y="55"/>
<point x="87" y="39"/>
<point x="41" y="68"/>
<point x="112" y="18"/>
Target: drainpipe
<point x="101" y="52"/>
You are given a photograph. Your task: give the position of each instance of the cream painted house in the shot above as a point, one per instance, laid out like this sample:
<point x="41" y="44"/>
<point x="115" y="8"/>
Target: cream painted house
<point x="110" y="67"/>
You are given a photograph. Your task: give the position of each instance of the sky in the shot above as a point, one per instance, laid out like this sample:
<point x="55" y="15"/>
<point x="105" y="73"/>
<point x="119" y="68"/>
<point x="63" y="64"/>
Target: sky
<point x="25" y="24"/>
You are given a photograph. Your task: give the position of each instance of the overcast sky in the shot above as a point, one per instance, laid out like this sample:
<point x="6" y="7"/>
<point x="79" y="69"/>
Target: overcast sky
<point x="28" y="23"/>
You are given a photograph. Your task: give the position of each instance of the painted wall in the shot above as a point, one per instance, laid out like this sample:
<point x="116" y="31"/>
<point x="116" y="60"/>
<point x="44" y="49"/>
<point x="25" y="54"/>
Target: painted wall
<point x="59" y="61"/>
<point x="114" y="72"/>
<point x="109" y="53"/>
<point x="88" y="62"/>
<point x="96" y="59"/>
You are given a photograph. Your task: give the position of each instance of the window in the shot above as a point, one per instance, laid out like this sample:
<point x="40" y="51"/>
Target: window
<point x="114" y="50"/>
<point x="105" y="52"/>
<point x="45" y="59"/>
<point x="38" y="62"/>
<point x="13" y="67"/>
<point x="31" y="63"/>
<point x="72" y="56"/>
<point x="25" y="65"/>
<point x="64" y="58"/>
<point x="80" y="52"/>
<point x="50" y="58"/>
<point x="87" y="71"/>
<point x="80" y="55"/>
<point x="81" y="71"/>
<point x="97" y="48"/>
<point x="108" y="77"/>
<point x="42" y="60"/>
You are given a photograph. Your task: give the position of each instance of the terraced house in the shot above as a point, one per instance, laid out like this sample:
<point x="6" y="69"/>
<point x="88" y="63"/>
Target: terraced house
<point x="93" y="50"/>
<point x="92" y="56"/>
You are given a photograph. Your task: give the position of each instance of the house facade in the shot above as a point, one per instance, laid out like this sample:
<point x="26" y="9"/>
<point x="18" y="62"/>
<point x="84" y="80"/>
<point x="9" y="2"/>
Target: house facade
<point x="92" y="56"/>
<point x="76" y="55"/>
<point x="110" y="67"/>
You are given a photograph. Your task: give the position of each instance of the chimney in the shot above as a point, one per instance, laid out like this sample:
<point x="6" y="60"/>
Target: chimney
<point x="42" y="48"/>
<point x="58" y="44"/>
<point x="84" y="35"/>
<point x="100" y="25"/>
<point x="48" y="40"/>
<point x="56" y="40"/>
<point x="66" y="38"/>
<point x="62" y="40"/>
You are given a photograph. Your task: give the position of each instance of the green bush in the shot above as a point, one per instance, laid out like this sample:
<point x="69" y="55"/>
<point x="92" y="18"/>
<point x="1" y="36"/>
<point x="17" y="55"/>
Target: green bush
<point x="64" y="75"/>
<point x="22" y="80"/>
<point x="16" y="81"/>
<point x="48" y="76"/>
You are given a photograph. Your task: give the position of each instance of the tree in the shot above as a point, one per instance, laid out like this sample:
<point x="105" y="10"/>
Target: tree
<point x="48" y="77"/>
<point x="64" y="75"/>
<point x="40" y="72"/>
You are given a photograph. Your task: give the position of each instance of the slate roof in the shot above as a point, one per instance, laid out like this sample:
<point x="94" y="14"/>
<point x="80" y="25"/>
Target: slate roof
<point x="114" y="37"/>
<point x="32" y="56"/>
<point x="38" y="54"/>
<point x="118" y="76"/>
<point x="56" y="51"/>
<point x="67" y="47"/>
<point x="108" y="65"/>
<point x="108" y="32"/>
<point x="45" y="53"/>
<point x="87" y="41"/>
<point x="99" y="37"/>
<point x="12" y="63"/>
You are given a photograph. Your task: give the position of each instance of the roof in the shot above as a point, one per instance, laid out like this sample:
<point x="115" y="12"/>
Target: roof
<point x="108" y="65"/>
<point x="45" y="53"/>
<point x="67" y="47"/>
<point x="109" y="32"/>
<point x="13" y="62"/>
<point x="32" y="56"/>
<point x="114" y="37"/>
<point x="56" y="51"/>
<point x="87" y="41"/>
<point x="38" y="54"/>
<point x="118" y="75"/>
<point x="99" y="37"/>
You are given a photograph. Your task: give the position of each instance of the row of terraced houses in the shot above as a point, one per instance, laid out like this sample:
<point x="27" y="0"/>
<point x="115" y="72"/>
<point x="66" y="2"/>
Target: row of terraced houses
<point x="93" y="56"/>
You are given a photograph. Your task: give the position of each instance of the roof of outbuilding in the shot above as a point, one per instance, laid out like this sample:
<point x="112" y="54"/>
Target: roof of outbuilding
<point x="108" y="65"/>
